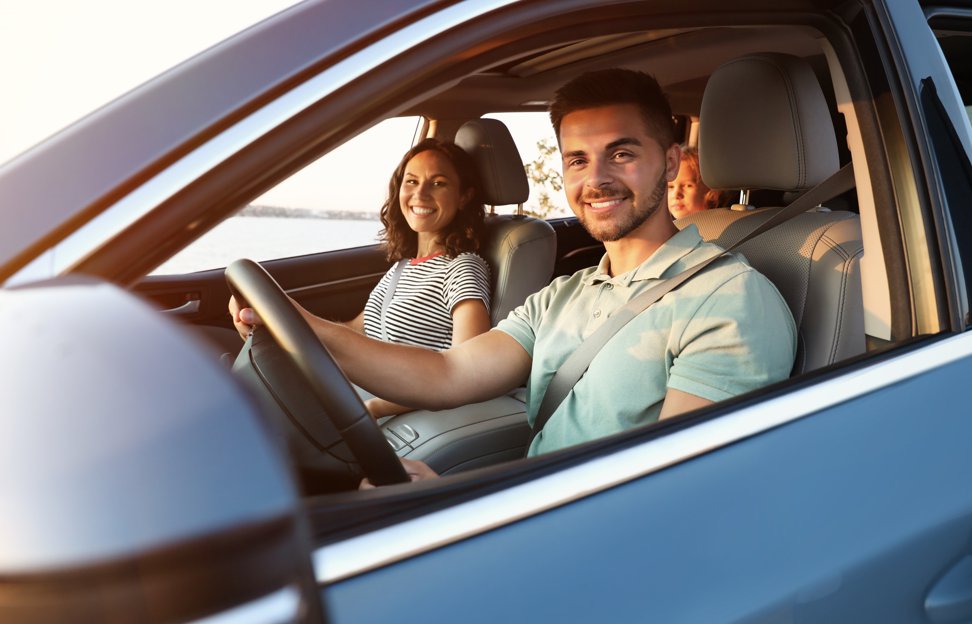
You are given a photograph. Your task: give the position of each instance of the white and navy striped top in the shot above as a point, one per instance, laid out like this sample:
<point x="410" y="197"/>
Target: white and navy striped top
<point x="420" y="312"/>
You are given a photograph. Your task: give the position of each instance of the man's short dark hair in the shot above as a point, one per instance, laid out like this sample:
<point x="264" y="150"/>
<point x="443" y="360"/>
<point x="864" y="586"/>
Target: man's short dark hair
<point x="608" y="87"/>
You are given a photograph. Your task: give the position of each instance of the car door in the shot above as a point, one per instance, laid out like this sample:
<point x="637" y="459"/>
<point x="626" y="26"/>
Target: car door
<point x="858" y="511"/>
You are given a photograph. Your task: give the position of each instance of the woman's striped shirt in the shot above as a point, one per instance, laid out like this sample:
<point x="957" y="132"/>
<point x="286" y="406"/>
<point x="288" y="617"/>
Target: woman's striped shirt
<point x="420" y="312"/>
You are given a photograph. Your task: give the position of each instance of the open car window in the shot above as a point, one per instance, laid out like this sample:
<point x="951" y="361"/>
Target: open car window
<point x="331" y="204"/>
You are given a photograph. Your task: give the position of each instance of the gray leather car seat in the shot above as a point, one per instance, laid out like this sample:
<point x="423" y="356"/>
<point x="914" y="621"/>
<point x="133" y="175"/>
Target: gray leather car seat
<point x="765" y="124"/>
<point x="520" y="250"/>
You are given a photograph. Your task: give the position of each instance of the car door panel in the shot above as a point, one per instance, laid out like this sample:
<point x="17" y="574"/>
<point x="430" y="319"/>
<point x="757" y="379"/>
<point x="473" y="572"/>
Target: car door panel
<point x="851" y="514"/>
<point x="335" y="285"/>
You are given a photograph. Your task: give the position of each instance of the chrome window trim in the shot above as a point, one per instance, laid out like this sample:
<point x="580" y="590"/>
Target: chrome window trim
<point x="121" y="215"/>
<point x="363" y="553"/>
<point x="283" y="605"/>
<point x="937" y="11"/>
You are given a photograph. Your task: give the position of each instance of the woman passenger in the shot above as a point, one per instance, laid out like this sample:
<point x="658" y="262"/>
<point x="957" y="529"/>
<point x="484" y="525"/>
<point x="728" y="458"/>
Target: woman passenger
<point x="433" y="221"/>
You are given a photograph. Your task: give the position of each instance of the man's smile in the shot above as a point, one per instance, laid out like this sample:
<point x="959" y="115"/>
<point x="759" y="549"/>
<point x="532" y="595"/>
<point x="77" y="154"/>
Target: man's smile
<point x="604" y="204"/>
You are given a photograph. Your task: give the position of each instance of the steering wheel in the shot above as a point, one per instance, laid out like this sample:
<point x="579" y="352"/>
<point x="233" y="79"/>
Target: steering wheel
<point x="254" y="287"/>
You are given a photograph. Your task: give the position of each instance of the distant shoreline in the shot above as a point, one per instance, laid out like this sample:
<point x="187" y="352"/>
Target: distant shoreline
<point x="305" y="213"/>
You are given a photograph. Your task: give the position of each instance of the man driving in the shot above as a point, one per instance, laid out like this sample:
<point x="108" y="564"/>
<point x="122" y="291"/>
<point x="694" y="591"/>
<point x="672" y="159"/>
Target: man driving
<point x="724" y="332"/>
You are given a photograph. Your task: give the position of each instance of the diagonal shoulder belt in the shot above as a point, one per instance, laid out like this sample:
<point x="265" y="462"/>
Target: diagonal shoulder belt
<point x="389" y="293"/>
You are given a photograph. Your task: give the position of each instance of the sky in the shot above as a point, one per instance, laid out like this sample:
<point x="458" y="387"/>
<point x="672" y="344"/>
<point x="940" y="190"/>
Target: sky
<point x="61" y="59"/>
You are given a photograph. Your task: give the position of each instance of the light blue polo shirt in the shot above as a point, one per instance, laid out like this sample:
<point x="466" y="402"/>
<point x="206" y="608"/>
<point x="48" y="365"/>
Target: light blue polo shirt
<point x="724" y="332"/>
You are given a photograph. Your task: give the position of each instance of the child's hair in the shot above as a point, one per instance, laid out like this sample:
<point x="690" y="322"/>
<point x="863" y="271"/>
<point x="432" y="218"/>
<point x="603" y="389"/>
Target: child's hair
<point x="690" y="159"/>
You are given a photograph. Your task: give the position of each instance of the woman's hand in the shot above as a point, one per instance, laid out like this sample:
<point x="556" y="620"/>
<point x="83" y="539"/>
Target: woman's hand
<point x="379" y="408"/>
<point x="417" y="471"/>
<point x="244" y="319"/>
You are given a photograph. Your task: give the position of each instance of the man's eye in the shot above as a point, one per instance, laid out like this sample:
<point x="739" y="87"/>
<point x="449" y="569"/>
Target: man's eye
<point x="576" y="162"/>
<point x="621" y="155"/>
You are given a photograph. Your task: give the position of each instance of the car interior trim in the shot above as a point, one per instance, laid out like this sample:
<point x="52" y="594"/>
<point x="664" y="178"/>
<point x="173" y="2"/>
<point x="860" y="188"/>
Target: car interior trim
<point x="348" y="558"/>
<point x="876" y="291"/>
<point x="313" y="288"/>
<point x="283" y="605"/>
<point x="163" y="186"/>
<point x="917" y="225"/>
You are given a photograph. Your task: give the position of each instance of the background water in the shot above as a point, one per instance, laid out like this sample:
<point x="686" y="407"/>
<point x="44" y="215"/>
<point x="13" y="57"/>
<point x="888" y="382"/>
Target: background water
<point x="267" y="238"/>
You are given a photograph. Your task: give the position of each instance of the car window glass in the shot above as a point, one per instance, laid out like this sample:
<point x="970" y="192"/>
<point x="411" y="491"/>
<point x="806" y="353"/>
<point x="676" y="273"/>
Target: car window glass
<point x="955" y="37"/>
<point x="333" y="203"/>
<point x="535" y="140"/>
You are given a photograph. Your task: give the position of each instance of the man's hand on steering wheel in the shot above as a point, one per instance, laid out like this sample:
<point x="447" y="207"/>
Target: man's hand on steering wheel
<point x="244" y="318"/>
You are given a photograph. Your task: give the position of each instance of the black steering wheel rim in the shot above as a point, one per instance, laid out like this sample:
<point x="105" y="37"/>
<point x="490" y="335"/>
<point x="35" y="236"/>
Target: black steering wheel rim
<point x="253" y="286"/>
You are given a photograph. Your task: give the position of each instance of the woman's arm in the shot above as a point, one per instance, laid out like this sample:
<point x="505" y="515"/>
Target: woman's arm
<point x="379" y="408"/>
<point x="469" y="319"/>
<point x="357" y="323"/>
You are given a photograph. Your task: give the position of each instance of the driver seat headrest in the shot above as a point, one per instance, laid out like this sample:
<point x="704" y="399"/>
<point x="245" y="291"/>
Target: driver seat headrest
<point x="765" y="124"/>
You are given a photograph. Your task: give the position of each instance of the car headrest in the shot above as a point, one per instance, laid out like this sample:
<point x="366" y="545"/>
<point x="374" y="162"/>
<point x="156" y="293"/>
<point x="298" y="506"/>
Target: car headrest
<point x="489" y="142"/>
<point x="765" y="124"/>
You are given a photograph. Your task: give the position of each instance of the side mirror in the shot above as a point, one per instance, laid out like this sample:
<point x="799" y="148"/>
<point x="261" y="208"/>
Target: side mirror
<point x="138" y="480"/>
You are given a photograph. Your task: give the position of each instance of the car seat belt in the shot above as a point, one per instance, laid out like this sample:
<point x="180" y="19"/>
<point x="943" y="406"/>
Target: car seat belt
<point x="577" y="364"/>
<point x="389" y="293"/>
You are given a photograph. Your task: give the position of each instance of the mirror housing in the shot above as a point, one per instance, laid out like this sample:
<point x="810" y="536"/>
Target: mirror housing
<point x="140" y="482"/>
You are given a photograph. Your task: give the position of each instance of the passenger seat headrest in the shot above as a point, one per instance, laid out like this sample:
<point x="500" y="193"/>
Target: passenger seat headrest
<point x="765" y="124"/>
<point x="500" y="167"/>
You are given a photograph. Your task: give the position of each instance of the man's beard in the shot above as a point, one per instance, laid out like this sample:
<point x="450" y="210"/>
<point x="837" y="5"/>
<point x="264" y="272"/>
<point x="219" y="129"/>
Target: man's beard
<point x="627" y="223"/>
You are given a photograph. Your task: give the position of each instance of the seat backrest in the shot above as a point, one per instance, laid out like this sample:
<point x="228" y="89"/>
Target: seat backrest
<point x="520" y="250"/>
<point x="765" y="125"/>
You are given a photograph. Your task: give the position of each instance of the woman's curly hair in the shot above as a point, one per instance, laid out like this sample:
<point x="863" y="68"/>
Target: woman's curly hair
<point x="466" y="229"/>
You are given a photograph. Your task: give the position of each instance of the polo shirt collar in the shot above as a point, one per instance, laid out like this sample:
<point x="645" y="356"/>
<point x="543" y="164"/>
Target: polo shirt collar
<point x="654" y="267"/>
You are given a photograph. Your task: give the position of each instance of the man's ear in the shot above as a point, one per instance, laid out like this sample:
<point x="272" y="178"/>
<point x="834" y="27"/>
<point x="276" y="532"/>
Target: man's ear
<point x="673" y="159"/>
